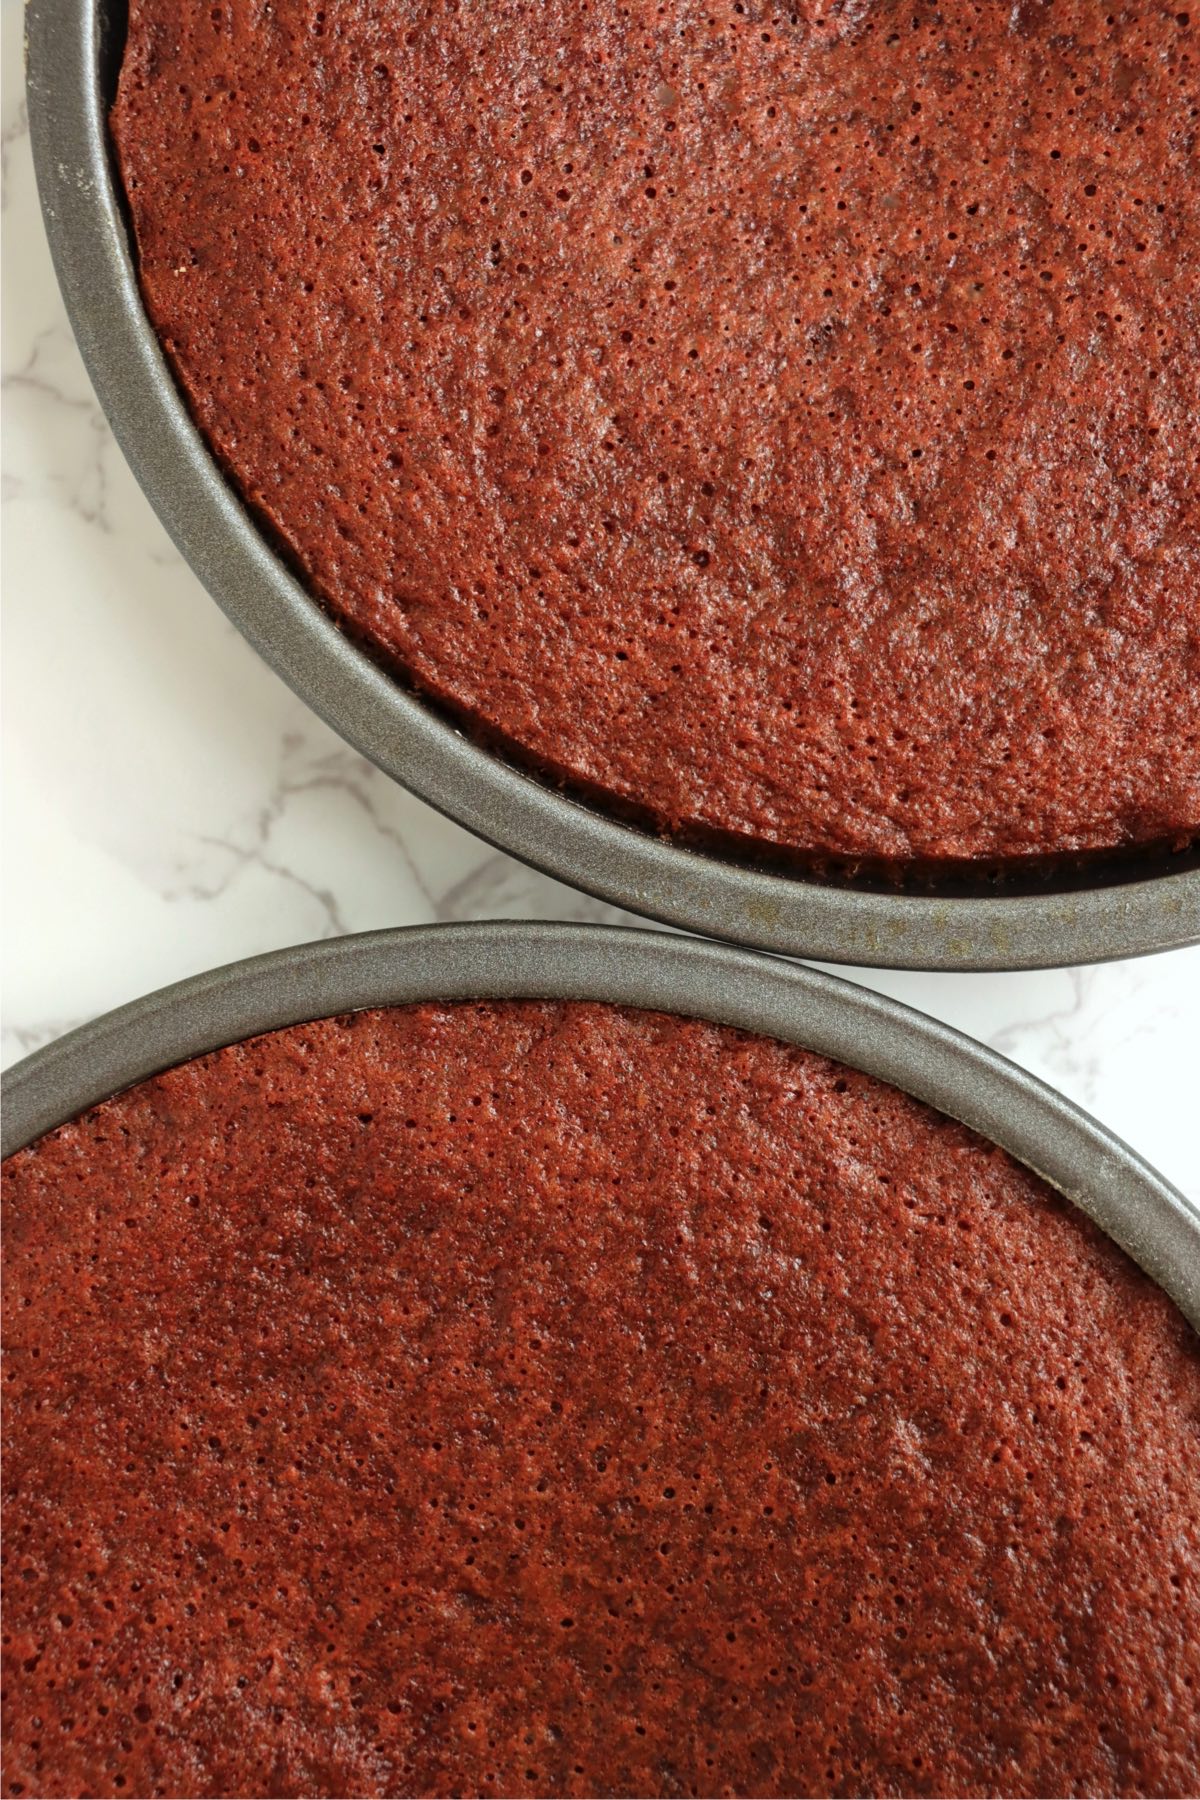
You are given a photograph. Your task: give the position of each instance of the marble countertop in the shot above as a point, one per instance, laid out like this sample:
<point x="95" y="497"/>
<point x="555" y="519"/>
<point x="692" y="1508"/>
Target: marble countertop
<point x="169" y="805"/>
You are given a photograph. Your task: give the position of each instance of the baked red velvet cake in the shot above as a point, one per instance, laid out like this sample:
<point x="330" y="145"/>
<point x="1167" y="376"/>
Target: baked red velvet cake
<point x="777" y="424"/>
<point x="552" y="1399"/>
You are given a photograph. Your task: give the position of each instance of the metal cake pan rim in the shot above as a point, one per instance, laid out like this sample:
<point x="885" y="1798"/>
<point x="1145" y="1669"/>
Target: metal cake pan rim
<point x="696" y="977"/>
<point x="410" y="741"/>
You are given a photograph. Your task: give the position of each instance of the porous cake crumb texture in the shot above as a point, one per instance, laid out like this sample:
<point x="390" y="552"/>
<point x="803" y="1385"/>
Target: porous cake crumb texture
<point x="556" y="1400"/>
<point x="779" y="426"/>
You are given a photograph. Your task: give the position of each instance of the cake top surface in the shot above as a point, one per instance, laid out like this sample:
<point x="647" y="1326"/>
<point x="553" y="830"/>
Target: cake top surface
<point x="554" y="1399"/>
<point x="777" y="424"/>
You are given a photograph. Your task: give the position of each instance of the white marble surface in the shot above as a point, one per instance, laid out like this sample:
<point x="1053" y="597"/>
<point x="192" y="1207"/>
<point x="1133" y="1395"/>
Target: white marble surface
<point x="169" y="805"/>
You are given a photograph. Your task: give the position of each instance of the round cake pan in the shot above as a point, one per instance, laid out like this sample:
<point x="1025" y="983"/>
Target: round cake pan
<point x="74" y="51"/>
<point x="1149" y="1218"/>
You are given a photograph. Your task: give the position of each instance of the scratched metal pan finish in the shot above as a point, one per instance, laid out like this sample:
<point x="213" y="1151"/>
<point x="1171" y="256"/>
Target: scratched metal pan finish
<point x="1148" y="1217"/>
<point x="73" y="56"/>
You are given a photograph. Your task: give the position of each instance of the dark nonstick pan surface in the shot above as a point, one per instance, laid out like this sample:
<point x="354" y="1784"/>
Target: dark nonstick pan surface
<point x="73" y="53"/>
<point x="1137" y="1207"/>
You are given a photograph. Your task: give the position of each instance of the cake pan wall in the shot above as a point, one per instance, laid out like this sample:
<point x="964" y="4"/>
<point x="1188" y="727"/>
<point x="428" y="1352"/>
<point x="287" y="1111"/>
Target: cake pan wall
<point x="1137" y="1207"/>
<point x="73" y="54"/>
